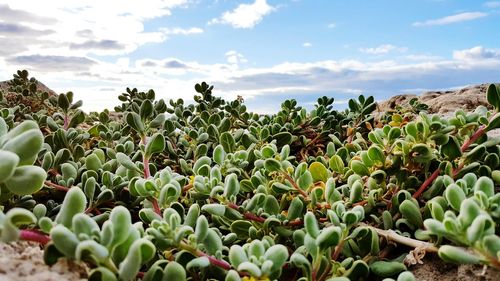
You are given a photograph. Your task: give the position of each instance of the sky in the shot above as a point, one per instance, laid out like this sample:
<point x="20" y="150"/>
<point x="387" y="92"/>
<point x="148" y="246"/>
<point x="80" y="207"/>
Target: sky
<point x="263" y="50"/>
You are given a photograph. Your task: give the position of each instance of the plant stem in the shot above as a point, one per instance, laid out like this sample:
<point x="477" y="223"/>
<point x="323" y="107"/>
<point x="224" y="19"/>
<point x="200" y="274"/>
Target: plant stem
<point x="33" y="235"/>
<point x="480" y="131"/>
<point x="294" y="184"/>
<point x="247" y="215"/>
<point x="56" y="186"/>
<point x="147" y="175"/>
<point x="391" y="235"/>
<point x="219" y="263"/>
<point x="473" y="138"/>
<point x="426" y="183"/>
<point x="66" y="121"/>
<point x="338" y="250"/>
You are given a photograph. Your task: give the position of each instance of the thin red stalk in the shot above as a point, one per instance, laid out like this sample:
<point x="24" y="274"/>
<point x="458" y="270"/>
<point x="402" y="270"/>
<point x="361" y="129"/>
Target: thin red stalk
<point x="464" y="147"/>
<point x="147" y="174"/>
<point x="156" y="207"/>
<point x="294" y="184"/>
<point x="66" y="122"/>
<point x="338" y="250"/>
<point x="33" y="235"/>
<point x="145" y="162"/>
<point x="473" y="138"/>
<point x="247" y="215"/>
<point x="219" y="263"/>
<point x="56" y="186"/>
<point x="426" y="183"/>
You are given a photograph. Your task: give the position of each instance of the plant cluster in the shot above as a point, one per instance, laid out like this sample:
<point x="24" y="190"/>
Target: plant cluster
<point x="211" y="191"/>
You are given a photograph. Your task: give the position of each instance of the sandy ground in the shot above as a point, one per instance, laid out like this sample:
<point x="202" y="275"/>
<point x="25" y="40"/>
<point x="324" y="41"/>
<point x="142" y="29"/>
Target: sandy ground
<point x="23" y="261"/>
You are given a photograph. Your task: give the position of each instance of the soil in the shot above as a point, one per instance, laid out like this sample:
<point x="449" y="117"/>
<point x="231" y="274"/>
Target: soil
<point x="434" y="268"/>
<point x="23" y="261"/>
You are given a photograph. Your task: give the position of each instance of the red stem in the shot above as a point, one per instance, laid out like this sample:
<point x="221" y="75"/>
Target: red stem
<point x="294" y="184"/>
<point x="247" y="215"/>
<point x="156" y="207"/>
<point x="56" y="186"/>
<point x="147" y="174"/>
<point x="426" y="183"/>
<point x="464" y="147"/>
<point x="66" y="122"/>
<point x="219" y="263"/>
<point x="473" y="138"/>
<point x="34" y="235"/>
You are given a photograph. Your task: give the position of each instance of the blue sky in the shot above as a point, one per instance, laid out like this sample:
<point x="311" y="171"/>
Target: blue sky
<point x="265" y="51"/>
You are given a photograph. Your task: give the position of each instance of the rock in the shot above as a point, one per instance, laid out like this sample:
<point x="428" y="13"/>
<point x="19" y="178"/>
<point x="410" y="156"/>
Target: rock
<point x="443" y="102"/>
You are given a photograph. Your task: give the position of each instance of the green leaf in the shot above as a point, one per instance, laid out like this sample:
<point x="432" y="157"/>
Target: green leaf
<point x="454" y="195"/>
<point x="376" y="154"/>
<point x="411" y="212"/>
<point x="214" y="209"/>
<point x="155" y="145"/>
<point x="457" y="255"/>
<point x="241" y="228"/>
<point x="26" y="180"/>
<point x="8" y="164"/>
<point x="92" y="162"/>
<point x="175" y="271"/>
<point x="140" y="252"/>
<point x="493" y="96"/>
<point x="63" y="102"/>
<point x="311" y="225"/>
<point x="64" y="240"/>
<point x="278" y="254"/>
<point x="10" y="222"/>
<point x="387" y="268"/>
<point x="329" y="237"/>
<point x="359" y="168"/>
<point x="251" y="268"/>
<point x="494" y="122"/>
<point x="231" y="186"/>
<point x="126" y="162"/>
<point x="272" y="165"/>
<point x="134" y="121"/>
<point x="336" y="164"/>
<point x="283" y="138"/>
<point x="219" y="154"/>
<point x="227" y="142"/>
<point x="237" y="256"/>
<point x="451" y="149"/>
<point x="319" y="172"/>
<point x="26" y="145"/>
<point x="74" y="203"/>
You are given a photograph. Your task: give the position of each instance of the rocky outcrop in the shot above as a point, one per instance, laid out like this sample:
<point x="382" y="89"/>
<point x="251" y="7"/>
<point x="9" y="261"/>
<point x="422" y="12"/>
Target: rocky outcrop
<point x="443" y="102"/>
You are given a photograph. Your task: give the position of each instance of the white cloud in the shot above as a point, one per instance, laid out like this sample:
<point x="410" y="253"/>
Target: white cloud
<point x="383" y="49"/>
<point x="306" y="45"/>
<point x="181" y="31"/>
<point x="476" y="53"/>
<point x="467" y="16"/>
<point x="234" y="57"/>
<point x="332" y="25"/>
<point x="81" y="27"/>
<point x="492" y="4"/>
<point x="245" y="15"/>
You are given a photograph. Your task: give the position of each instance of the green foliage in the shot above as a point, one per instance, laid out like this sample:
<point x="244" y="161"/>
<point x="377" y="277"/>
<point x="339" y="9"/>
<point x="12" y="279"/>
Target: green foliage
<point x="164" y="190"/>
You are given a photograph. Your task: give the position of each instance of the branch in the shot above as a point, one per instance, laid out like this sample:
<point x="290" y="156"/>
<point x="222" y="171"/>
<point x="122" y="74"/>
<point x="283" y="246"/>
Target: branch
<point x="391" y="235"/>
<point x="56" y="186"/>
<point x="33" y="235"/>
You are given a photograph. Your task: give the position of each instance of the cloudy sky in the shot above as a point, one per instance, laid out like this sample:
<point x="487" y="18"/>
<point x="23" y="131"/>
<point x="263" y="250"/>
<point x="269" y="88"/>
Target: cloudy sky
<point x="265" y="51"/>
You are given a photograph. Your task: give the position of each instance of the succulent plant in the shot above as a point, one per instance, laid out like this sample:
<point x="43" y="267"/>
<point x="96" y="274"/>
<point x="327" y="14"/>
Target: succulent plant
<point x="174" y="191"/>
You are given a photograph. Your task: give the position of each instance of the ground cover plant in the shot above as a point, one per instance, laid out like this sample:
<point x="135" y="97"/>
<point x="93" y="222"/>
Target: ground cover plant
<point x="164" y="190"/>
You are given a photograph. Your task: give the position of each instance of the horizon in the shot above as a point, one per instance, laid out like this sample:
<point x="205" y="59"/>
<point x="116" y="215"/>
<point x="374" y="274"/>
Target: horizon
<point x="264" y="51"/>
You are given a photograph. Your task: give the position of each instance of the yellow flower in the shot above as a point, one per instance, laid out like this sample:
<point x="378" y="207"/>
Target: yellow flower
<point x="251" y="278"/>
